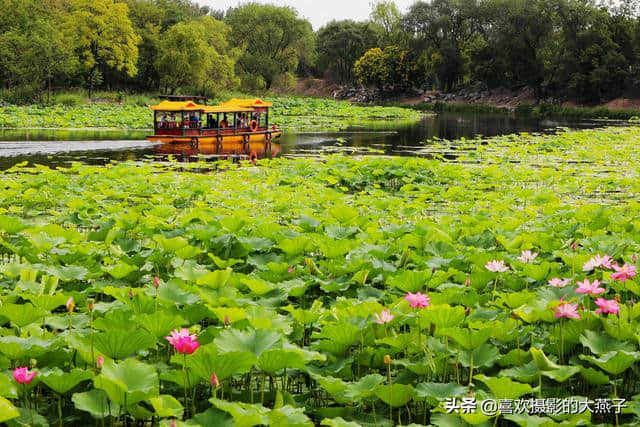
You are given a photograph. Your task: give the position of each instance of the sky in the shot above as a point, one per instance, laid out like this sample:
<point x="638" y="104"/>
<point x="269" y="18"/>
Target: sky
<point x="319" y="12"/>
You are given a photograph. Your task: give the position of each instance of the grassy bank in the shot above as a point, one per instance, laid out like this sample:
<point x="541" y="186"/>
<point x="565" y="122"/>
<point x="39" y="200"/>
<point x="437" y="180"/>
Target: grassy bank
<point x="290" y="112"/>
<point x="541" y="111"/>
<point x="293" y="277"/>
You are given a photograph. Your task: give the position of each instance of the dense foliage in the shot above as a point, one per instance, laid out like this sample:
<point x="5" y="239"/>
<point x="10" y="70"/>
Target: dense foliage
<point x="290" y="113"/>
<point x="582" y="50"/>
<point x="348" y="291"/>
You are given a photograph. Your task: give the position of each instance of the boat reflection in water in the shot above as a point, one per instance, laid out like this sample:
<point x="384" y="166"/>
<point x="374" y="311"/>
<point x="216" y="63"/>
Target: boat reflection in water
<point x="227" y="151"/>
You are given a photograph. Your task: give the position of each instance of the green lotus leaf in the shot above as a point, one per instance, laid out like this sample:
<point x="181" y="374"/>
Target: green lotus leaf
<point x="504" y="388"/>
<point x="16" y="348"/>
<point x="593" y="376"/>
<point x="189" y="271"/>
<point x="27" y="418"/>
<point x="22" y="315"/>
<point x="214" y="417"/>
<point x="114" y="319"/>
<point x="244" y="414"/>
<point x="251" y="340"/>
<point x="274" y="360"/>
<point x="215" y="279"/>
<point x="256" y="285"/>
<point x="395" y="395"/>
<point x="171" y="245"/>
<point x="7" y="410"/>
<point x="166" y="406"/>
<point x="364" y="388"/>
<point x="127" y="382"/>
<point x="120" y="270"/>
<point x="344" y="214"/>
<point x="120" y="343"/>
<point x="334" y="386"/>
<point x="289" y="416"/>
<point x="443" y="316"/>
<point x="11" y="224"/>
<point x="207" y="361"/>
<point x="46" y="302"/>
<point x="160" y="323"/>
<point x="8" y="387"/>
<point x="438" y="392"/>
<point x="483" y="356"/>
<point x="614" y="362"/>
<point x="63" y="382"/>
<point x="467" y="338"/>
<point x="338" y="422"/>
<point x="447" y="420"/>
<point x="97" y="403"/>
<point x="411" y="281"/>
<point x="600" y="343"/>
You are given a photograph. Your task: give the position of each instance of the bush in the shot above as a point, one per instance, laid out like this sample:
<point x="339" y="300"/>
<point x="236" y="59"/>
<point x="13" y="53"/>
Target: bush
<point x="68" y="99"/>
<point x="20" y="95"/>
<point x="524" y="110"/>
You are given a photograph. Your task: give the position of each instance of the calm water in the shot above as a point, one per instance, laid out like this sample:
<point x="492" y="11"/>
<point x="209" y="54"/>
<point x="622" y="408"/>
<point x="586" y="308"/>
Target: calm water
<point x="59" y="147"/>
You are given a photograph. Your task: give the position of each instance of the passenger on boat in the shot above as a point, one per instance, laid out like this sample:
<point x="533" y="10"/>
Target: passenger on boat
<point x="163" y="121"/>
<point x="239" y="122"/>
<point x="224" y="123"/>
<point x="172" y="121"/>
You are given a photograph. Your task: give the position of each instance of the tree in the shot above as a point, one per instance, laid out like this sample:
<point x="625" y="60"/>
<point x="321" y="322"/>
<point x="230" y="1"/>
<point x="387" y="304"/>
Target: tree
<point x="516" y="39"/>
<point x="391" y="69"/>
<point x="105" y="37"/>
<point x="443" y="31"/>
<point x="340" y="44"/>
<point x="388" y="17"/>
<point x="192" y="55"/>
<point x="273" y="40"/>
<point x="35" y="50"/>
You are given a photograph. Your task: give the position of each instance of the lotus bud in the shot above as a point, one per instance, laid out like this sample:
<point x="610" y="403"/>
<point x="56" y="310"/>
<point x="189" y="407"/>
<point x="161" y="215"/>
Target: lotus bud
<point x="215" y="383"/>
<point x="156" y="282"/>
<point x="100" y="361"/>
<point x="130" y="294"/>
<point x="467" y="311"/>
<point x="467" y="282"/>
<point x="70" y="305"/>
<point x="634" y="258"/>
<point x="90" y="305"/>
<point x="574" y="246"/>
<point x="227" y="321"/>
<point x="174" y="423"/>
<point x="291" y="269"/>
<point x="33" y="363"/>
<point x="387" y="359"/>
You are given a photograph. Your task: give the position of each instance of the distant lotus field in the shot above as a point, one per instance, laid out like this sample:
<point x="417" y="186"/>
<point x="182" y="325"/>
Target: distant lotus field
<point x="492" y="282"/>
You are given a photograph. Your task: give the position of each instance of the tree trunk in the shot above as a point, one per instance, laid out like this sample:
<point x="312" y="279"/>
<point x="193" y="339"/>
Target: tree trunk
<point x="93" y="69"/>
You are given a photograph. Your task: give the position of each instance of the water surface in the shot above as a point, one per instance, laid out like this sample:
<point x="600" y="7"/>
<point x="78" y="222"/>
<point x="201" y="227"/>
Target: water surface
<point x="60" y="147"/>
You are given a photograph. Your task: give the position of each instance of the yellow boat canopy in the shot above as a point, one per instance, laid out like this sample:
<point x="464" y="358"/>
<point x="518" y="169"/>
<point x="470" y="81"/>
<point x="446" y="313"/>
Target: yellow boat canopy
<point x="247" y="103"/>
<point x="178" y="106"/>
<point x="224" y="109"/>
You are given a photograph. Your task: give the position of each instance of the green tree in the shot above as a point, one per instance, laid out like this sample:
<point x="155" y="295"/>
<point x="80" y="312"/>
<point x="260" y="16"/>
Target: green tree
<point x="517" y="35"/>
<point x="105" y="37"/>
<point x="194" y="55"/>
<point x="341" y="44"/>
<point x="386" y="15"/>
<point x="391" y="69"/>
<point x="443" y="31"/>
<point x="35" y="50"/>
<point x="273" y="39"/>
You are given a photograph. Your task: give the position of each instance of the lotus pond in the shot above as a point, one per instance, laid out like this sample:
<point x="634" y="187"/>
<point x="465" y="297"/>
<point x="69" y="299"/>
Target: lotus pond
<point x="340" y="291"/>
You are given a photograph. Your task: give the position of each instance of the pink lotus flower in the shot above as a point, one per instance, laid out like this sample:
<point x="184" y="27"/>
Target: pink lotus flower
<point x="22" y="375"/>
<point x="570" y="311"/>
<point x="215" y="383"/>
<point x="624" y="273"/>
<point x="496" y="266"/>
<point x="418" y="300"/>
<point x="183" y="342"/>
<point x="587" y="288"/>
<point x="607" y="306"/>
<point x="527" y="256"/>
<point x="99" y="361"/>
<point x="156" y="282"/>
<point x="383" y="317"/>
<point x="557" y="282"/>
<point x="598" y="261"/>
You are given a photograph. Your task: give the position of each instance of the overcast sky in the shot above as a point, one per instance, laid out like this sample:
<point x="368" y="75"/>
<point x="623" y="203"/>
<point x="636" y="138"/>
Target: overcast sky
<point x="319" y="12"/>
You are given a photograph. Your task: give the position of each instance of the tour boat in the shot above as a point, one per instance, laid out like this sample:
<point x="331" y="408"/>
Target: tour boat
<point x="234" y="125"/>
